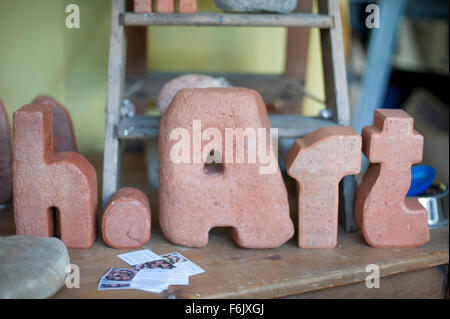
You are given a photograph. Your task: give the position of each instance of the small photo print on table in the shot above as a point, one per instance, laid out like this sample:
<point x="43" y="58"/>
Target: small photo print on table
<point x="119" y="275"/>
<point x="155" y="264"/>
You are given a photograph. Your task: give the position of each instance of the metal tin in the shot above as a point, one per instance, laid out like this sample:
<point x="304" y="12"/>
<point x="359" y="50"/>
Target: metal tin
<point x="435" y="201"/>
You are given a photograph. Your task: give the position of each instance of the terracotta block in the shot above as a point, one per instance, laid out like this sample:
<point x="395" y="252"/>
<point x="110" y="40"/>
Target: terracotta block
<point x="165" y="6"/>
<point x="126" y="220"/>
<point x="195" y="196"/>
<point x="318" y="162"/>
<point x="45" y="181"/>
<point x="143" y="6"/>
<point x="5" y="155"/>
<point x="187" y="6"/>
<point x="383" y="215"/>
<point x="63" y="133"/>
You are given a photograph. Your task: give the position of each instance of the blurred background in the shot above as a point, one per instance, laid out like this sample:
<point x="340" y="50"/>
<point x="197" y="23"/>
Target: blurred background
<point x="402" y="63"/>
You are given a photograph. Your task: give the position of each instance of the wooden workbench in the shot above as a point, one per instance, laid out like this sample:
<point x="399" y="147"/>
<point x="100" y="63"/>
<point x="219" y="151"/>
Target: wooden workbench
<point x="288" y="271"/>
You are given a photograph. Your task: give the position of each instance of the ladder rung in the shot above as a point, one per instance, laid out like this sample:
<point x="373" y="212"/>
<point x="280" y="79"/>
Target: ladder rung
<point x="289" y="125"/>
<point x="307" y="20"/>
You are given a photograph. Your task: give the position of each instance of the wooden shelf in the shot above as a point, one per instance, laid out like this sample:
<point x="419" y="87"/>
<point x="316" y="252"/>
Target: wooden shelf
<point x="233" y="272"/>
<point x="145" y="126"/>
<point x="307" y="20"/>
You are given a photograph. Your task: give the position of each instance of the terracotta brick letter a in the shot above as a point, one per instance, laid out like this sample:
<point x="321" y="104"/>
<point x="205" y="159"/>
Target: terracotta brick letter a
<point x="381" y="212"/>
<point x="318" y="162"/>
<point x="45" y="181"/>
<point x="195" y="196"/>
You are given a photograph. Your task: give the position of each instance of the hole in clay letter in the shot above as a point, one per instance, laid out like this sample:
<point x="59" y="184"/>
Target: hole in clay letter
<point x="213" y="164"/>
<point x="54" y="218"/>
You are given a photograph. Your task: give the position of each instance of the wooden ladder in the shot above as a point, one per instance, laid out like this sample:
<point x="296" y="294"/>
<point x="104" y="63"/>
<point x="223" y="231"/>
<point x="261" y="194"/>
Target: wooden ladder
<point x="140" y="127"/>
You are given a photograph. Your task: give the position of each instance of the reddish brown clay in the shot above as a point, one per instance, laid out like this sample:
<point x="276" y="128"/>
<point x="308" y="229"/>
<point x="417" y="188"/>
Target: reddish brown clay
<point x="381" y="212"/>
<point x="195" y="197"/>
<point x="165" y="6"/>
<point x="5" y="155"/>
<point x="45" y="181"/>
<point x="63" y="133"/>
<point x="126" y="220"/>
<point x="318" y="162"/>
<point x="187" y="6"/>
<point x="142" y="6"/>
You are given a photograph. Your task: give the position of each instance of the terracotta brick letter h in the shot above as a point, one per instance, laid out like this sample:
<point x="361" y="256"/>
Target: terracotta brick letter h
<point x="45" y="181"/>
<point x="318" y="162"/>
<point x="383" y="215"/>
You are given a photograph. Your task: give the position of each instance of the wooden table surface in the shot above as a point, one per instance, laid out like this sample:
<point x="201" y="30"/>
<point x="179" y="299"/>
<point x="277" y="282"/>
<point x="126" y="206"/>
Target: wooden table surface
<point x="288" y="271"/>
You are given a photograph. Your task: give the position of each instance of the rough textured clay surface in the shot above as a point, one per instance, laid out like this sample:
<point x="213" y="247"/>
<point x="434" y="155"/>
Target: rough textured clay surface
<point x="126" y="220"/>
<point x="142" y="6"/>
<point x="46" y="183"/>
<point x="383" y="215"/>
<point x="189" y="81"/>
<point x="278" y="6"/>
<point x="5" y="155"/>
<point x="194" y="197"/>
<point x="165" y="6"/>
<point x="63" y="133"/>
<point x="318" y="162"/>
<point x="187" y="6"/>
<point x="32" y="267"/>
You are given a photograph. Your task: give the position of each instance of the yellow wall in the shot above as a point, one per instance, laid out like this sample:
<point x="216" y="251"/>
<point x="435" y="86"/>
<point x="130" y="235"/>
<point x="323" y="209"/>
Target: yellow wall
<point x="39" y="55"/>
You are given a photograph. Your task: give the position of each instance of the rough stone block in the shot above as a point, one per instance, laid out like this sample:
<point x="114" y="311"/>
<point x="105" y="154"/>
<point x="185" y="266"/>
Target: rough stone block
<point x="126" y="220"/>
<point x="143" y="6"/>
<point x="383" y="215"/>
<point x="63" y="133"/>
<point x="5" y="155"/>
<point x="32" y="267"/>
<point x="278" y="6"/>
<point x="46" y="183"/>
<point x="187" y="81"/>
<point x="187" y="6"/>
<point x="165" y="6"/>
<point x="198" y="194"/>
<point x="318" y="162"/>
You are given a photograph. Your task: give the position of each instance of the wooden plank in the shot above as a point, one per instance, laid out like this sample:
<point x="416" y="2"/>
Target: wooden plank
<point x="232" y="272"/>
<point x="430" y="283"/>
<point x="116" y="86"/>
<point x="144" y="126"/>
<point x="228" y="19"/>
<point x="333" y="57"/>
<point x="297" y="45"/>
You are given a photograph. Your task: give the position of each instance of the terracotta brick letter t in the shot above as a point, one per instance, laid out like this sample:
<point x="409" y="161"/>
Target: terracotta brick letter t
<point x="318" y="162"/>
<point x="383" y="215"/>
<point x="44" y="181"/>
